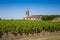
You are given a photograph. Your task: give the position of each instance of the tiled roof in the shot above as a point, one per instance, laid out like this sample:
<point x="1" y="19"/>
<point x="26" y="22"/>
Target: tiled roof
<point x="34" y="16"/>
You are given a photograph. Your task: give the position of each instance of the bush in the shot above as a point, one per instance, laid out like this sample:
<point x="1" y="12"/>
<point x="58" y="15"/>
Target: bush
<point x="17" y="26"/>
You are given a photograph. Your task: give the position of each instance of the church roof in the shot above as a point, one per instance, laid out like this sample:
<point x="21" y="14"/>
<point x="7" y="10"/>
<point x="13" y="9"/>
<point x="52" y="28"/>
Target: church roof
<point x="34" y="16"/>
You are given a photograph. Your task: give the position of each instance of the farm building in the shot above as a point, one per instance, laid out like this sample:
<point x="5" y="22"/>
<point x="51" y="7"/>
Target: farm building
<point x="32" y="17"/>
<point x="56" y="19"/>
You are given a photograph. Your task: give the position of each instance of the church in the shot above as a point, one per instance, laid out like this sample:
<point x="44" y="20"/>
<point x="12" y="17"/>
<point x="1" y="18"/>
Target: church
<point x="32" y="17"/>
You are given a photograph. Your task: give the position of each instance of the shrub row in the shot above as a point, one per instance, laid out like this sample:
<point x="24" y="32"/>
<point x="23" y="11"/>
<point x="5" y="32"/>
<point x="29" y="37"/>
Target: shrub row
<point x="24" y="26"/>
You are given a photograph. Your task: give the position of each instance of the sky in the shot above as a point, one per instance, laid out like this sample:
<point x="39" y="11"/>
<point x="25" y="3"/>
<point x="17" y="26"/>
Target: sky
<point x="15" y="9"/>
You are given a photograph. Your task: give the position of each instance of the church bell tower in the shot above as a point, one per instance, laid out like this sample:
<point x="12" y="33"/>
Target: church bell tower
<point x="27" y="13"/>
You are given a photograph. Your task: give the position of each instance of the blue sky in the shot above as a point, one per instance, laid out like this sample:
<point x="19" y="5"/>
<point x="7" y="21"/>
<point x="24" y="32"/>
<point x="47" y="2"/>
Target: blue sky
<point x="15" y="9"/>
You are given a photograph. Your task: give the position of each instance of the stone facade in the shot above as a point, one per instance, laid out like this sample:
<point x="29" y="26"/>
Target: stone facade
<point x="56" y="19"/>
<point x="32" y="17"/>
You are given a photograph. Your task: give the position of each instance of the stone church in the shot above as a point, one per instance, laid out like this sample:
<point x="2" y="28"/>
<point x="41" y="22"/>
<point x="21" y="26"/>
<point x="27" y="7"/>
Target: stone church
<point x="32" y="17"/>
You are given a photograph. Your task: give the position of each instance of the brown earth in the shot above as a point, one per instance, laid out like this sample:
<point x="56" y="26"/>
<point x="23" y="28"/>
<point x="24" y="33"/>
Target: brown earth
<point x="40" y="36"/>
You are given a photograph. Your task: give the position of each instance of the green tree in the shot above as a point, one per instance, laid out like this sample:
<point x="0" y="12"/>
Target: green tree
<point x="0" y="18"/>
<point x="49" y="17"/>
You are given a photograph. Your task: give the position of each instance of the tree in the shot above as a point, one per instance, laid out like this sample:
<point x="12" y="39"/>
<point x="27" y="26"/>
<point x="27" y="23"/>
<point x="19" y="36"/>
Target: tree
<point x="0" y="18"/>
<point x="49" y="17"/>
<point x="45" y="17"/>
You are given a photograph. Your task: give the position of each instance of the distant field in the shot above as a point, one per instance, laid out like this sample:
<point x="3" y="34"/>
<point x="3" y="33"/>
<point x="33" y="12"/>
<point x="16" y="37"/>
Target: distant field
<point x="24" y="26"/>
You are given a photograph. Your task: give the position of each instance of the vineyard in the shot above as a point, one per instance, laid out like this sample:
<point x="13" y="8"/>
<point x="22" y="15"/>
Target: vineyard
<point x="24" y="26"/>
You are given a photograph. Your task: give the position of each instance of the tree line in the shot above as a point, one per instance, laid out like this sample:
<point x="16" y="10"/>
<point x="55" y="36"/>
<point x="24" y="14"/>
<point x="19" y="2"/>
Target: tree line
<point x="50" y="17"/>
